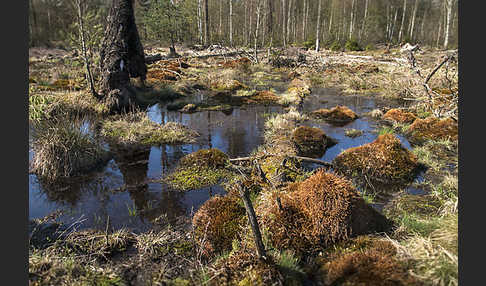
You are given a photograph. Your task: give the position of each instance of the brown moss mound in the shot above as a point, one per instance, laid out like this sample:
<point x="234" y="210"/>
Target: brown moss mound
<point x="318" y="212"/>
<point x="434" y="128"/>
<point x="384" y="160"/>
<point x="374" y="265"/>
<point x="217" y="223"/>
<point x="244" y="268"/>
<point x="311" y="142"/>
<point x="398" y="115"/>
<point x="262" y="97"/>
<point x="338" y="114"/>
<point x="225" y="84"/>
<point x="205" y="158"/>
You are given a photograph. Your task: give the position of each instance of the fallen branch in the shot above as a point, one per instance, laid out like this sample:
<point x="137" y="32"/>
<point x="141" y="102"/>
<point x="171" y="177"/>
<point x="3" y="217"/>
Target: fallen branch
<point x="307" y="159"/>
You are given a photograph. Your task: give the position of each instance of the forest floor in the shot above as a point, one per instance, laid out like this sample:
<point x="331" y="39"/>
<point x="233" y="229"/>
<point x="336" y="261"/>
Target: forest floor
<point x="216" y="246"/>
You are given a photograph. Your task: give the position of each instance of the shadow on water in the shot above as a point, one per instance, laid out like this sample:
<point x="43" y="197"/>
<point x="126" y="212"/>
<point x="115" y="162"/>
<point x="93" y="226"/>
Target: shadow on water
<point x="124" y="189"/>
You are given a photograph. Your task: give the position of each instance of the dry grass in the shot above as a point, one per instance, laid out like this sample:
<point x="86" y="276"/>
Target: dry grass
<point x="137" y="128"/>
<point x="62" y="149"/>
<point x="384" y="160"/>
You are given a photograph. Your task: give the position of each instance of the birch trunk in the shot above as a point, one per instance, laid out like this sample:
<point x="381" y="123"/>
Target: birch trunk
<point x="199" y="21"/>
<point x="231" y="22"/>
<point x="206" y="22"/>
<point x="363" y="25"/>
<point x="289" y="26"/>
<point x="283" y="24"/>
<point x="351" y="21"/>
<point x="403" y="20"/>
<point x="318" y="24"/>
<point x="414" y="15"/>
<point x="303" y="20"/>
<point x="449" y="4"/>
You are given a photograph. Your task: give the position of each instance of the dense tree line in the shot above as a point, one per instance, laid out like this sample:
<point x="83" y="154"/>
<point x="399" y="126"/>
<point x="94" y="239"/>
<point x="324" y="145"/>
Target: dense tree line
<point x="263" y="23"/>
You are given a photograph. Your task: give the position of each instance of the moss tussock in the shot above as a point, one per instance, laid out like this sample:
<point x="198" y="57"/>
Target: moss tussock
<point x="337" y="115"/>
<point x="384" y="160"/>
<point x="202" y="168"/>
<point x="434" y="128"/>
<point x="322" y="210"/>
<point x="400" y="116"/>
<point x="217" y="223"/>
<point x="311" y="142"/>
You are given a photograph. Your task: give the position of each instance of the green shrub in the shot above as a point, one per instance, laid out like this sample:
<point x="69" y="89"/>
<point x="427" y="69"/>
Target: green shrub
<point x="310" y="44"/>
<point x="335" y="46"/>
<point x="352" y="45"/>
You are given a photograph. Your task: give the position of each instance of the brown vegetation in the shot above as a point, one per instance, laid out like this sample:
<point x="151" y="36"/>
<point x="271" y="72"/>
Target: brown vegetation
<point x="338" y="114"/>
<point x="322" y="210"/>
<point x="384" y="160"/>
<point x="399" y="115"/>
<point x="434" y="128"/>
<point x="241" y="62"/>
<point x="311" y="142"/>
<point x="374" y="265"/>
<point x="217" y="223"/>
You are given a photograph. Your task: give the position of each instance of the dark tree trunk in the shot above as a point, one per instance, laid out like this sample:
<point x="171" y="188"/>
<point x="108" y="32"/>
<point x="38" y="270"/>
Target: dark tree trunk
<point x="121" y="55"/>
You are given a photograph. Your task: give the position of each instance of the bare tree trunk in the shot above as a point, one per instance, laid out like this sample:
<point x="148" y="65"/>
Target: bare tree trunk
<point x="84" y="49"/>
<point x="270" y="21"/>
<point x="394" y="24"/>
<point x="363" y="25"/>
<point x="220" y="30"/>
<point x="206" y="23"/>
<point x="403" y="20"/>
<point x="256" y="28"/>
<point x="330" y="18"/>
<point x="351" y="23"/>
<point x="422" y="30"/>
<point x="283" y="24"/>
<point x="231" y="22"/>
<point x="34" y="25"/>
<point x="449" y="4"/>
<point x="318" y="28"/>
<point x="121" y="54"/>
<point x="412" y="25"/>
<point x="303" y="20"/>
<point x="439" y="32"/>
<point x="199" y="21"/>
<point x="264" y="20"/>
<point x="289" y="27"/>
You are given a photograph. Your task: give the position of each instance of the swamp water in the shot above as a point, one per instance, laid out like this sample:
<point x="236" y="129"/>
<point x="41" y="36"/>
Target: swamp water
<point x="124" y="191"/>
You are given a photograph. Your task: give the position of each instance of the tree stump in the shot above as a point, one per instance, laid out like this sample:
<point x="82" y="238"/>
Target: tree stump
<point x="121" y="55"/>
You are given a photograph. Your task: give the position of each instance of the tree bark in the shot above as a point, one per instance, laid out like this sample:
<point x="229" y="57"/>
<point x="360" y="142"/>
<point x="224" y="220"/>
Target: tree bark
<point x="403" y="20"/>
<point x="283" y="24"/>
<point x="351" y="24"/>
<point x="449" y="4"/>
<point x="231" y="22"/>
<point x="206" y="23"/>
<point x="412" y="23"/>
<point x="363" y="25"/>
<point x="289" y="26"/>
<point x="121" y="54"/>
<point x="199" y="21"/>
<point x="318" y="27"/>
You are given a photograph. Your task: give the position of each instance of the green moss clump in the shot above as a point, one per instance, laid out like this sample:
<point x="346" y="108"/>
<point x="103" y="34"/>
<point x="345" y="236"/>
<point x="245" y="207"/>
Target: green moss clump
<point x="202" y="168"/>
<point x="352" y="45"/>
<point x="384" y="160"/>
<point x="217" y="223"/>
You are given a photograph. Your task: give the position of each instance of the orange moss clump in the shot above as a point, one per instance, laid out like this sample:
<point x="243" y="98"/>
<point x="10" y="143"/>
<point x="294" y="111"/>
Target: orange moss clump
<point x="165" y="70"/>
<point x="322" y="210"/>
<point x="217" y="223"/>
<point x="310" y="141"/>
<point x="400" y="116"/>
<point x="155" y="75"/>
<point x="241" y="62"/>
<point x="384" y="160"/>
<point x="338" y="114"/>
<point x="374" y="265"/>
<point x="434" y="128"/>
<point x="263" y="97"/>
<point x="223" y="84"/>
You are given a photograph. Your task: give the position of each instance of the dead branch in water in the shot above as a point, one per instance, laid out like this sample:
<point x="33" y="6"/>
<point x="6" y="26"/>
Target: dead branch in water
<point x="307" y="159"/>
